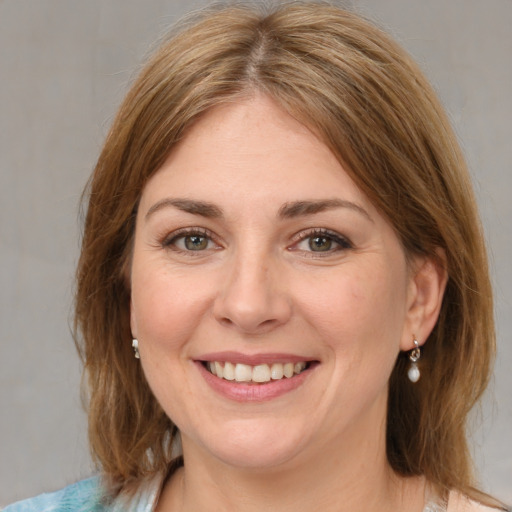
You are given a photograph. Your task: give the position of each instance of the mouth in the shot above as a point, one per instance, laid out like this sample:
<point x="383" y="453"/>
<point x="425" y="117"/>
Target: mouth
<point x="254" y="378"/>
<point x="256" y="374"/>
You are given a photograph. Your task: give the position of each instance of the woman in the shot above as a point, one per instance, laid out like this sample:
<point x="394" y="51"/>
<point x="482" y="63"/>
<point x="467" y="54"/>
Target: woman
<point x="283" y="298"/>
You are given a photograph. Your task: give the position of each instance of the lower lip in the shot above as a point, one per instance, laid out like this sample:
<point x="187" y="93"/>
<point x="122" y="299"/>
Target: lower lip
<point x="244" y="392"/>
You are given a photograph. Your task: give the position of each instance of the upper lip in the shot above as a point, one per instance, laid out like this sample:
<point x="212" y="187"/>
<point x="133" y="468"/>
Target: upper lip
<point x="253" y="359"/>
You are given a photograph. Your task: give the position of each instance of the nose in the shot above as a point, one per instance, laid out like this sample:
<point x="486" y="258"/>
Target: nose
<point x="253" y="298"/>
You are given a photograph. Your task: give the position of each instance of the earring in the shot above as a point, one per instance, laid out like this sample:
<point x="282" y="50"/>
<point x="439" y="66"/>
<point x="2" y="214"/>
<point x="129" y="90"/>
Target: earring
<point x="414" y="372"/>
<point x="135" y="345"/>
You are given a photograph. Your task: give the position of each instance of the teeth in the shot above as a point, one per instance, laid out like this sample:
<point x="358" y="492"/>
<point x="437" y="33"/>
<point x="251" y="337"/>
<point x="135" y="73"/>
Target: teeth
<point x="229" y="371"/>
<point x="259" y="373"/>
<point x="299" y="367"/>
<point x="276" y="372"/>
<point x="243" y="373"/>
<point x="288" y="370"/>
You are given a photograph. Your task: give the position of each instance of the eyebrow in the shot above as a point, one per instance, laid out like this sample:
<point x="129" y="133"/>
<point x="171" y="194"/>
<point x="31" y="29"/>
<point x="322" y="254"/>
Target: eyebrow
<point x="287" y="211"/>
<point x="202" y="208"/>
<point x="300" y="208"/>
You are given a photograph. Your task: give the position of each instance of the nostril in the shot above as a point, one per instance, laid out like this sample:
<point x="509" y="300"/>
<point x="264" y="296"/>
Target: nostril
<point x="226" y="321"/>
<point x="248" y="325"/>
<point x="268" y="322"/>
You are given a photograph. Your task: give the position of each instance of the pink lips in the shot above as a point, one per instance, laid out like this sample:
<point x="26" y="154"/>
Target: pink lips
<point x="253" y="360"/>
<point x="251" y="392"/>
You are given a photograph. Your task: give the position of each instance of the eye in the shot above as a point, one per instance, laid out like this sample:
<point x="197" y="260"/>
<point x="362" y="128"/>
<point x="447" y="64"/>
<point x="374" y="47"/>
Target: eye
<point x="195" y="242"/>
<point x="321" y="241"/>
<point x="190" y="241"/>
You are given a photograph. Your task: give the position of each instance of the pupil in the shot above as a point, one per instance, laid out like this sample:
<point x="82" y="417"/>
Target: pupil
<point x="196" y="243"/>
<point x="320" y="243"/>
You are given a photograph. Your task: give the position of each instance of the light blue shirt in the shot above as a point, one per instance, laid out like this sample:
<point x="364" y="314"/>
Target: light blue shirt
<point x="86" y="496"/>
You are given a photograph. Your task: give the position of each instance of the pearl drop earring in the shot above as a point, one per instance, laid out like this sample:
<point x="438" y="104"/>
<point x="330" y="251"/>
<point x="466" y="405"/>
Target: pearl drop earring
<point x="414" y="372"/>
<point x="135" y="345"/>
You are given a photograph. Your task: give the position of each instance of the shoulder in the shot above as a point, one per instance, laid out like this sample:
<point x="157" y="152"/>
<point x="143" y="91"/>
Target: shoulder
<point x="88" y="496"/>
<point x="83" y="496"/>
<point x="460" y="503"/>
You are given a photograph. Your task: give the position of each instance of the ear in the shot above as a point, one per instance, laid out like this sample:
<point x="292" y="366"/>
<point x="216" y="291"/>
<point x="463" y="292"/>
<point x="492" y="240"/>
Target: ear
<point x="133" y="321"/>
<point x="425" y="293"/>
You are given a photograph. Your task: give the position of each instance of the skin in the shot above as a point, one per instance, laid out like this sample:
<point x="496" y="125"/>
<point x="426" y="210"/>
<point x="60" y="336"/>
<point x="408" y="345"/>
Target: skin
<point x="258" y="284"/>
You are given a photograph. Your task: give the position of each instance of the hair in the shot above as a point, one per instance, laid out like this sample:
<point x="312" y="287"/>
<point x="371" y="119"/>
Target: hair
<point x="368" y="101"/>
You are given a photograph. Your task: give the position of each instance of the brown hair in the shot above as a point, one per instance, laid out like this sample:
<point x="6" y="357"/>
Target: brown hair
<point x="363" y="95"/>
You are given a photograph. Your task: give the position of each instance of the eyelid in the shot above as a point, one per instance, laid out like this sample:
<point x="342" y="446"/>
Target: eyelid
<point x="170" y="238"/>
<point x="343" y="242"/>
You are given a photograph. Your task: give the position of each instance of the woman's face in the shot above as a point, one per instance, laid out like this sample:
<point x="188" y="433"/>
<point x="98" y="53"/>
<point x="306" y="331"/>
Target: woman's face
<point x="256" y="253"/>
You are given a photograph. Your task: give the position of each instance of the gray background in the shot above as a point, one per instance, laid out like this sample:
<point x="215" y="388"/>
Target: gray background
<point x="64" y="66"/>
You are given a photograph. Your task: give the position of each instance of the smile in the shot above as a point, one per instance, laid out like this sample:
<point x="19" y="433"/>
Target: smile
<point x="257" y="374"/>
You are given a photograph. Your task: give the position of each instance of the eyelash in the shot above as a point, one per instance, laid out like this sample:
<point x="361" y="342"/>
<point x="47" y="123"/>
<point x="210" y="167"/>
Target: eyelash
<point x="171" y="240"/>
<point x="341" y="242"/>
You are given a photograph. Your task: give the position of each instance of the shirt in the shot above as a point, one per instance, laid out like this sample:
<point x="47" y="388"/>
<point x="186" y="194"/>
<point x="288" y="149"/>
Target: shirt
<point x="85" y="496"/>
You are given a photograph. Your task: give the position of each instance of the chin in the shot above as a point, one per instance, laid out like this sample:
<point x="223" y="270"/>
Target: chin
<point x="252" y="447"/>
<point x="255" y="459"/>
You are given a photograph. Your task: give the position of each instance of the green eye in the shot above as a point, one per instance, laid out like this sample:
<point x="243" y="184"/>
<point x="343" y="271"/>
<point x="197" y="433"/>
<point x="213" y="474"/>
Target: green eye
<point x="320" y="243"/>
<point x="195" y="242"/>
<point x="189" y="240"/>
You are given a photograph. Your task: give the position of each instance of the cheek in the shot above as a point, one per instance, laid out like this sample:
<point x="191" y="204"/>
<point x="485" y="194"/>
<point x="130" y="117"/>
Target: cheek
<point x="167" y="306"/>
<point x="354" y="297"/>
<point x="357" y="310"/>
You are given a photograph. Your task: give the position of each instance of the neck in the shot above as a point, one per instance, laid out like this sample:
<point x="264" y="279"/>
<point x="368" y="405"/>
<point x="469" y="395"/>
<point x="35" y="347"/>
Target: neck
<point x="353" y="476"/>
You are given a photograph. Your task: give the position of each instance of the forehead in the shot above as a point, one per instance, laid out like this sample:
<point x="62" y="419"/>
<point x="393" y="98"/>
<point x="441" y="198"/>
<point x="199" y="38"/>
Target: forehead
<point x="251" y="149"/>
